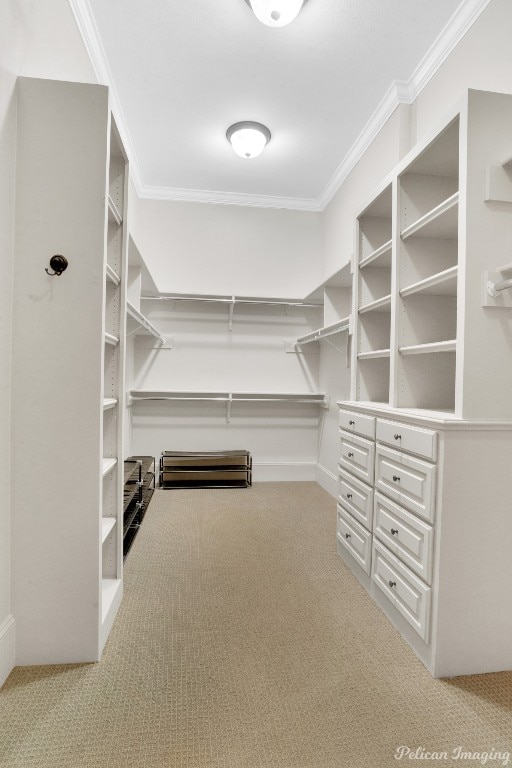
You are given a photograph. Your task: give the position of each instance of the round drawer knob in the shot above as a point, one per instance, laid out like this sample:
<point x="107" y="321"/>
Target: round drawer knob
<point x="347" y="535"/>
<point x="351" y="423"/>
<point x="397" y="436"/>
<point x="396" y="479"/>
<point x="349" y="455"/>
<point x="394" y="531"/>
<point x="392" y="583"/>
<point x="349" y="495"/>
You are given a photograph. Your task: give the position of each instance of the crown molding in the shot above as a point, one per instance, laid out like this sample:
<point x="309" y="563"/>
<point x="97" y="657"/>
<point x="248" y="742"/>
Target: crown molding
<point x="228" y="198"/>
<point x="405" y="92"/>
<point x="89" y="32"/>
<point x="400" y="92"/>
<point x="456" y="28"/>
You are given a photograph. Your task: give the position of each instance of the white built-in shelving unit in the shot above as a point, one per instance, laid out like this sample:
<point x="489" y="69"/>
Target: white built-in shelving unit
<point x="425" y="441"/>
<point x="69" y="337"/>
<point x="421" y="339"/>
<point x="372" y="299"/>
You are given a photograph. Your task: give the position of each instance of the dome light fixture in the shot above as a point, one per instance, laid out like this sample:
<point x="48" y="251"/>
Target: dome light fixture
<point x="247" y="138"/>
<point x="276" y="13"/>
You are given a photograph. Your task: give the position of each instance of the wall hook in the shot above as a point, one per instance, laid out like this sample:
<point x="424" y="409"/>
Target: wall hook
<point x="58" y="264"/>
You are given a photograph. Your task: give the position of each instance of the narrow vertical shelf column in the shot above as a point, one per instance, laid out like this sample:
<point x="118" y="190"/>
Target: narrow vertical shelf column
<point x="67" y="559"/>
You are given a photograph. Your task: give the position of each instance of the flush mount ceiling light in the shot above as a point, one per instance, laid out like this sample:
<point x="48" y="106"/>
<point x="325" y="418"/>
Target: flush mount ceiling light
<point x="276" y="13"/>
<point x="248" y="139"/>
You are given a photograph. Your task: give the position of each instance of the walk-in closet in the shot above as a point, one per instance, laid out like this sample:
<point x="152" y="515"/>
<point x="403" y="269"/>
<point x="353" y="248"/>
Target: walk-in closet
<point x="257" y="415"/>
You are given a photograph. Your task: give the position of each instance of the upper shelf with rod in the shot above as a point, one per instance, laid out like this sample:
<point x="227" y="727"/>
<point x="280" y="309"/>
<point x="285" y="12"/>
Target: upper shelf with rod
<point x="290" y="398"/>
<point x="232" y="301"/>
<point x="340" y="326"/>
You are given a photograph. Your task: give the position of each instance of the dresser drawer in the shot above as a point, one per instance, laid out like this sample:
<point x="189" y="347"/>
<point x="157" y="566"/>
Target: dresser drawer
<point x="403" y="589"/>
<point x="358" y="423"/>
<point x="357" y="497"/>
<point x="357" y="455"/>
<point x="403" y="437"/>
<point x="408" y="537"/>
<point x="407" y="480"/>
<point x="355" y="539"/>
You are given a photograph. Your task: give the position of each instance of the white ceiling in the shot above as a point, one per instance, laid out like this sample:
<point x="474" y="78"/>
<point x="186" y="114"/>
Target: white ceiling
<point x="184" y="70"/>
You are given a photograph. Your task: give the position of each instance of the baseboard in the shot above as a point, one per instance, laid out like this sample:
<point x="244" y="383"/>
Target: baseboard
<point x="327" y="480"/>
<point x="285" y="471"/>
<point x="7" y="648"/>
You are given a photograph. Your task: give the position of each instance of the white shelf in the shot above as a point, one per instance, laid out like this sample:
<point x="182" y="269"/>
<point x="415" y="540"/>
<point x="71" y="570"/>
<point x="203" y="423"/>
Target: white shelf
<point x="142" y="323"/>
<point x="109" y="591"/>
<point x="424" y="349"/>
<point x="440" y="222"/>
<point x="441" y="284"/>
<point x="342" y="278"/>
<point x="111" y="275"/>
<point x="109" y="402"/>
<point x="225" y="396"/>
<point x="380" y="305"/>
<point x="381" y="257"/>
<point x="225" y="299"/>
<point x="107" y="523"/>
<point x="340" y="326"/>
<point x="374" y="355"/>
<point x="113" y="212"/>
<point x="294" y="398"/>
<point x="111" y="339"/>
<point x="108" y="465"/>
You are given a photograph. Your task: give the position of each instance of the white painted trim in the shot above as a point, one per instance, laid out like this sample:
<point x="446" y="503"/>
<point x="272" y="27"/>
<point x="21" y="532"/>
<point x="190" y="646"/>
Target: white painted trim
<point x="283" y="471"/>
<point x="89" y="32"/>
<point x="228" y="198"/>
<point x="7" y="648"/>
<point x="456" y="28"/>
<point x="327" y="480"/>
<point x="399" y="92"/>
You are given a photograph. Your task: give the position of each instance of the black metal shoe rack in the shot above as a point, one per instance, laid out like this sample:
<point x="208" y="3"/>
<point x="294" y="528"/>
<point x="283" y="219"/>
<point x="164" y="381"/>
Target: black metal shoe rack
<point x="207" y="469"/>
<point x="139" y="485"/>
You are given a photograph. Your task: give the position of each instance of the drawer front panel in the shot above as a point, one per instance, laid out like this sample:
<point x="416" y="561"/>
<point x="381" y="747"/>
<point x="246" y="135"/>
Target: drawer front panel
<point x="407" y="480"/>
<point x="408" y="537"/>
<point x="357" y="456"/>
<point x="357" y="497"/>
<point x="355" y="539"/>
<point x="407" y="438"/>
<point x="404" y="590"/>
<point x="358" y="423"/>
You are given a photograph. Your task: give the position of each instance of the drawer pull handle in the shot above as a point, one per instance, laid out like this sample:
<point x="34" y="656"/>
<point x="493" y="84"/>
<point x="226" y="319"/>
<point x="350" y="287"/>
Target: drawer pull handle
<point x="392" y="583"/>
<point x="349" y="495"/>
<point x="347" y="535"/>
<point x="397" y="436"/>
<point x="396" y="479"/>
<point x="349" y="455"/>
<point x="351" y="423"/>
<point x="394" y="531"/>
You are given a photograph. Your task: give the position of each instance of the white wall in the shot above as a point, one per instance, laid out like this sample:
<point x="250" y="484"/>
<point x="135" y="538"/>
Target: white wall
<point x="200" y="248"/>
<point x="221" y="249"/>
<point x="41" y="40"/>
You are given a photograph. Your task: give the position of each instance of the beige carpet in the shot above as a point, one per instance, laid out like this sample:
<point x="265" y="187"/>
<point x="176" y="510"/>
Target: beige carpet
<point x="244" y="642"/>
